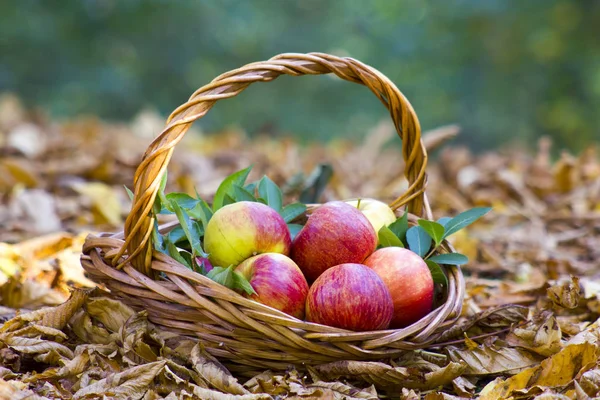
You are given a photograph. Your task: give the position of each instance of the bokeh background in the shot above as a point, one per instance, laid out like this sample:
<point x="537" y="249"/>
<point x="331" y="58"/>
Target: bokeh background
<point x="506" y="71"/>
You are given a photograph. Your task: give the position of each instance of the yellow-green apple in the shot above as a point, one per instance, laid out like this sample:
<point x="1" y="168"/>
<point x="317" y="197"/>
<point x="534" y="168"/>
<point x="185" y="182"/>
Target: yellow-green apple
<point x="277" y="281"/>
<point x="335" y="233"/>
<point x="350" y="296"/>
<point x="409" y="281"/>
<point x="377" y="212"/>
<point x="244" y="229"/>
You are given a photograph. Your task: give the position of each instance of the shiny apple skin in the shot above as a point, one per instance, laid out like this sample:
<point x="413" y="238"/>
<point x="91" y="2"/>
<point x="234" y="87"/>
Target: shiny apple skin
<point x="240" y="230"/>
<point x="409" y="281"/>
<point x="335" y="233"/>
<point x="350" y="296"/>
<point x="277" y="281"/>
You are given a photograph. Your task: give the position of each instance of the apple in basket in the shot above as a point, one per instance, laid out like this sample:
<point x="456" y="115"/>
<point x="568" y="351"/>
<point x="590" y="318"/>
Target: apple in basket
<point x="244" y="229"/>
<point x="409" y="281"/>
<point x="377" y="212"/>
<point x="277" y="281"/>
<point x="350" y="296"/>
<point x="335" y="233"/>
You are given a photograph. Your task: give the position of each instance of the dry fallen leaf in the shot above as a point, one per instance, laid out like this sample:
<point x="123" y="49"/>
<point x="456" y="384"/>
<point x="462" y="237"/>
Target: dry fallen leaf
<point x="556" y="371"/>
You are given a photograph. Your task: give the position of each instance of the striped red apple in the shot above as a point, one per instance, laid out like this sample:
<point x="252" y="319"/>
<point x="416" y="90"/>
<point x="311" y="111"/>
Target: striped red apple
<point x="409" y="281"/>
<point x="350" y="296"/>
<point x="277" y="281"/>
<point x="335" y="233"/>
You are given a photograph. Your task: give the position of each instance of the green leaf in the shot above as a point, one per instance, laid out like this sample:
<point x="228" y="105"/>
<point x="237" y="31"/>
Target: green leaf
<point x="191" y="229"/>
<point x="222" y="275"/>
<point x="201" y="212"/>
<point x="240" y="282"/>
<point x="292" y="211"/>
<point x="433" y="229"/>
<point x="184" y="200"/>
<point x="251" y="187"/>
<point x="387" y="238"/>
<point x="129" y="193"/>
<point x="316" y="183"/>
<point x="418" y="240"/>
<point x="437" y="273"/>
<point x="450" y="258"/>
<point x="241" y="194"/>
<point x="270" y="192"/>
<point x="294" y="229"/>
<point x="400" y="226"/>
<point x="227" y="200"/>
<point x="157" y="239"/>
<point x="444" y="220"/>
<point x="161" y="201"/>
<point x="174" y="253"/>
<point x="226" y="187"/>
<point x="176" y="234"/>
<point x="464" y="219"/>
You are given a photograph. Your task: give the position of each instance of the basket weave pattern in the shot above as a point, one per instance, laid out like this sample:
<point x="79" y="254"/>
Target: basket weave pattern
<point x="247" y="335"/>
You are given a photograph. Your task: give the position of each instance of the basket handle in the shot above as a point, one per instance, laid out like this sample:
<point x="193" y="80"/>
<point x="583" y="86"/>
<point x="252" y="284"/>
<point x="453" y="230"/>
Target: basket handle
<point x="140" y="223"/>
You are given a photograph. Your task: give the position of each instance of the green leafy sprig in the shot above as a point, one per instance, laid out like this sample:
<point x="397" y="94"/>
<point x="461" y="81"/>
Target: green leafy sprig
<point x="184" y="243"/>
<point x="426" y="237"/>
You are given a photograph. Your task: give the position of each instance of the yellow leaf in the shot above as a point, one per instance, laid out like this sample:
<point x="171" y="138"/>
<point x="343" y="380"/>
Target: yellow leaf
<point x="566" y="294"/>
<point x="542" y="336"/>
<point x="558" y="370"/>
<point x="21" y="172"/>
<point x="105" y="203"/>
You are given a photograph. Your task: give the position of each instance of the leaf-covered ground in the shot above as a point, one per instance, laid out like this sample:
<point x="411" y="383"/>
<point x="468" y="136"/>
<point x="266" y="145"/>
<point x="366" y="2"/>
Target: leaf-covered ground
<point x="530" y="327"/>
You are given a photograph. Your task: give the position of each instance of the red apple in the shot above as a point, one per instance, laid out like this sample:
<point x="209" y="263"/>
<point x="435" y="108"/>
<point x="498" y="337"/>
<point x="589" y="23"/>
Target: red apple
<point x="244" y="229"/>
<point x="335" y="233"/>
<point x="409" y="281"/>
<point x="350" y="296"/>
<point x="277" y="281"/>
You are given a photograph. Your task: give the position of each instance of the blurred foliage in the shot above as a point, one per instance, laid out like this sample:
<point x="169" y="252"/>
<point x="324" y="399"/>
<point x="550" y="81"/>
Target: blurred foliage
<point x="503" y="70"/>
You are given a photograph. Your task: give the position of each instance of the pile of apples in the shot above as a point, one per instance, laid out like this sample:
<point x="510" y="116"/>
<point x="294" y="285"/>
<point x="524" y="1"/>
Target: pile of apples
<point x="332" y="272"/>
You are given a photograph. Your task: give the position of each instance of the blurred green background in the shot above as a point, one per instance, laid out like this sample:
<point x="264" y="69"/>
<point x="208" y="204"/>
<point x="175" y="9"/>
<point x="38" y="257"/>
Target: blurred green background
<point x="506" y="71"/>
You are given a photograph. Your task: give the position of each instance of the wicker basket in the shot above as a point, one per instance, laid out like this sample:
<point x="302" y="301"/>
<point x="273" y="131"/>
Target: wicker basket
<point x="245" y="335"/>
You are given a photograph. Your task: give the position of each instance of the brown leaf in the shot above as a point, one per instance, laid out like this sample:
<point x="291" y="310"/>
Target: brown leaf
<point x="496" y="317"/>
<point x="34" y="346"/>
<point x="88" y="332"/>
<point x="340" y="391"/>
<point x="214" y="373"/>
<point x="566" y="294"/>
<point x="10" y="390"/>
<point x="70" y="368"/>
<point x="129" y="384"/>
<point x="590" y="382"/>
<point x="463" y="387"/>
<point x="138" y="345"/>
<point x="385" y="376"/>
<point x="542" y="336"/>
<point x="269" y="382"/>
<point x="110" y="313"/>
<point x="485" y="360"/>
<point x="208" y="394"/>
<point x="556" y="371"/>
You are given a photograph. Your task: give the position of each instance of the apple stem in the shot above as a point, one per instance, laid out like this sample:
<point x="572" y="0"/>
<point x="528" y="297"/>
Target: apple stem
<point x="358" y="203"/>
<point x="430" y="253"/>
